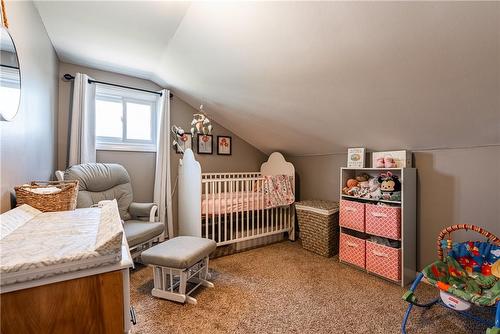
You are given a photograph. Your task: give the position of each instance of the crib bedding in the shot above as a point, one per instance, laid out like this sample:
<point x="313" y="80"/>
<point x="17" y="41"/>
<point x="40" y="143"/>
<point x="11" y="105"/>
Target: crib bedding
<point x="277" y="192"/>
<point x="231" y="202"/>
<point x="36" y="245"/>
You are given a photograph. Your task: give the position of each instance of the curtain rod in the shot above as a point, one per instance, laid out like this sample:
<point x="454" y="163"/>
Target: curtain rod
<point x="8" y="66"/>
<point x="70" y="77"/>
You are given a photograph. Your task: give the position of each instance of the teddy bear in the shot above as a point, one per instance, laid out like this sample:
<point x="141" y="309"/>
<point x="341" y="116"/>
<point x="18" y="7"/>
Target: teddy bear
<point x="351" y="187"/>
<point x="390" y="187"/>
<point x="386" y="162"/>
<point x="363" y="180"/>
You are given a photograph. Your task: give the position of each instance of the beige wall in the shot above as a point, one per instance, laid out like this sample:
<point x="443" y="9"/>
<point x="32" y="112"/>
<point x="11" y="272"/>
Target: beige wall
<point x="28" y="142"/>
<point x="455" y="186"/>
<point x="140" y="165"/>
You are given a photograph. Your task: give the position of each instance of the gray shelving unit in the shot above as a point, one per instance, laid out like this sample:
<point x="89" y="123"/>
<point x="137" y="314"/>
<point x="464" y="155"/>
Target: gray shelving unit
<point x="408" y="203"/>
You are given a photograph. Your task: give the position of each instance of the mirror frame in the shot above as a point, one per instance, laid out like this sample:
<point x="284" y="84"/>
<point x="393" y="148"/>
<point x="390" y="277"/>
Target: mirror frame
<point x="2" y="118"/>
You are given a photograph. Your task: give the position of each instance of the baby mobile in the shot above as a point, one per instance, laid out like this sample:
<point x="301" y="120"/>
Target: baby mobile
<point x="199" y="125"/>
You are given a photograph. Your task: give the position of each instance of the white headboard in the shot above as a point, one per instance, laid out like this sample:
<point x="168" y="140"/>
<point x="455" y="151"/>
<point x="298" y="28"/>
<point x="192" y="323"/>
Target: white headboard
<point x="277" y="165"/>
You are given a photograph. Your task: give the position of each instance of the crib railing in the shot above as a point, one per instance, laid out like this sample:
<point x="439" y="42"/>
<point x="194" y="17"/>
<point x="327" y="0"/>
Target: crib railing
<point x="212" y="176"/>
<point x="245" y="217"/>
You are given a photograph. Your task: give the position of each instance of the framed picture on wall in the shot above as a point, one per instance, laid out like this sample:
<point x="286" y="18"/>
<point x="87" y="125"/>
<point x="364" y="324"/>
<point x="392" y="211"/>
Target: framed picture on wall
<point x="224" y="145"/>
<point x="205" y="144"/>
<point x="184" y="142"/>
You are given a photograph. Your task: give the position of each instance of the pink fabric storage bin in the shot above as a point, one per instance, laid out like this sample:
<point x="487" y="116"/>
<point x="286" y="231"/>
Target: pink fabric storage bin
<point x="384" y="221"/>
<point x="352" y="215"/>
<point x="384" y="261"/>
<point x="352" y="250"/>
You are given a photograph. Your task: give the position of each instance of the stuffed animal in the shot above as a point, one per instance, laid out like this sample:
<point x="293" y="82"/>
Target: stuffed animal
<point x="352" y="183"/>
<point x="374" y="189"/>
<point x="351" y="187"/>
<point x="390" y="186"/>
<point x="363" y="184"/>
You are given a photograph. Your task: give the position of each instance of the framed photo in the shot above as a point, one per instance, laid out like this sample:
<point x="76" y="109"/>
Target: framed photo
<point x="356" y="157"/>
<point x="184" y="142"/>
<point x="394" y="159"/>
<point x="224" y="145"/>
<point x="205" y="144"/>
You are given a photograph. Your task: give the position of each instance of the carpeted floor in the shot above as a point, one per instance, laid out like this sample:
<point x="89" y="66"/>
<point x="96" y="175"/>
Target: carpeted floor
<point x="282" y="288"/>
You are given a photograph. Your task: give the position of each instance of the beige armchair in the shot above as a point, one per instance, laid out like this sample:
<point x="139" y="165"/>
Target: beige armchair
<point x="100" y="181"/>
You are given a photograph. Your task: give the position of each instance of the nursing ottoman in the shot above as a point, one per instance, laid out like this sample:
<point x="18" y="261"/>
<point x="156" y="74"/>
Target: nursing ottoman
<point x="177" y="262"/>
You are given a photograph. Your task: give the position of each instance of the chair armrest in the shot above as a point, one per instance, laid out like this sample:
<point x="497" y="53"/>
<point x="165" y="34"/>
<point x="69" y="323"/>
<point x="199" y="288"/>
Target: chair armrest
<point x="59" y="175"/>
<point x="139" y="210"/>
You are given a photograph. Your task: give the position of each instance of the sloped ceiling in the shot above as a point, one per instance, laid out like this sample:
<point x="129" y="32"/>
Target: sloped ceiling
<point x="306" y="78"/>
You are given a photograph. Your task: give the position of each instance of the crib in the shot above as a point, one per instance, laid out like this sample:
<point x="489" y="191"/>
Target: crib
<point x="229" y="207"/>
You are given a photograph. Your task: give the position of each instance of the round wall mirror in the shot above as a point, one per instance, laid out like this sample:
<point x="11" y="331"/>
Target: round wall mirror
<point x="10" y="77"/>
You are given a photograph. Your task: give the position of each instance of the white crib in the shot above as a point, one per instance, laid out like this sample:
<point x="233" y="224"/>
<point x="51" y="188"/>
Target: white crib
<point x="229" y="207"/>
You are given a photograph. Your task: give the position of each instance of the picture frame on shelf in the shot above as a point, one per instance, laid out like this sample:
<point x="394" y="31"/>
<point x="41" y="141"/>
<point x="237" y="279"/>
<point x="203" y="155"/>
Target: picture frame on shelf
<point x="205" y="144"/>
<point x="392" y="159"/>
<point x="184" y="142"/>
<point x="224" y="145"/>
<point x="356" y="157"/>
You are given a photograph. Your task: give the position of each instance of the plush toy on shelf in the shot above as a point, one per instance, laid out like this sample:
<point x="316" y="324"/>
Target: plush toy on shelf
<point x="351" y="187"/>
<point x="374" y="189"/>
<point x="363" y="180"/>
<point x="390" y="187"/>
<point x="363" y="185"/>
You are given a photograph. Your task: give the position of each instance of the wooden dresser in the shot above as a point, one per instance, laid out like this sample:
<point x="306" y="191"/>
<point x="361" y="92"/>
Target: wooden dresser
<point x="64" y="272"/>
<point x="89" y="301"/>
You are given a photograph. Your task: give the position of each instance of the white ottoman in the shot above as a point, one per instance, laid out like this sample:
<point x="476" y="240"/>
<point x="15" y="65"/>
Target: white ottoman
<point x="175" y="263"/>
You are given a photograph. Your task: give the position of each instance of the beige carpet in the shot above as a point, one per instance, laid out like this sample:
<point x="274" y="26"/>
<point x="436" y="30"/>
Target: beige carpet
<point x="282" y="288"/>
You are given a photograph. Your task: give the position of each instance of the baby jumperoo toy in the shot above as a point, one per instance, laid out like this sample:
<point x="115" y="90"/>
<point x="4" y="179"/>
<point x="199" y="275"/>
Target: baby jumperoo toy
<point x="468" y="276"/>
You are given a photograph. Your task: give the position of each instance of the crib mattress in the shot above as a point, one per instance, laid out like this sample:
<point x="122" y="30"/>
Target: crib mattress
<point x="37" y="245"/>
<point x="232" y="202"/>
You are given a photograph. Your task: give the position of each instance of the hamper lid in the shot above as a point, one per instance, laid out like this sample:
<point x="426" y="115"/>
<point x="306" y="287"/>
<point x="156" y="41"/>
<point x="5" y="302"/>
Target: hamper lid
<point x="318" y="206"/>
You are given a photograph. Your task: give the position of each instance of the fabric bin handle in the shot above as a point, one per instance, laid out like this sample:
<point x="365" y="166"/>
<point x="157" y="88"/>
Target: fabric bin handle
<point x="379" y="254"/>
<point x="351" y="244"/>
<point x="348" y="208"/>
<point x="379" y="215"/>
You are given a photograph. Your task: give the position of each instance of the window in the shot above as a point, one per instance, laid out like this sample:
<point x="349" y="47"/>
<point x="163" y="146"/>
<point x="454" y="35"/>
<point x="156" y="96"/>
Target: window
<point x="125" y="119"/>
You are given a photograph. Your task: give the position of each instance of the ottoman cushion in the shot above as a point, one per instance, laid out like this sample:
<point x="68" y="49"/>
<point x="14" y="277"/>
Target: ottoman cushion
<point x="138" y="231"/>
<point x="180" y="252"/>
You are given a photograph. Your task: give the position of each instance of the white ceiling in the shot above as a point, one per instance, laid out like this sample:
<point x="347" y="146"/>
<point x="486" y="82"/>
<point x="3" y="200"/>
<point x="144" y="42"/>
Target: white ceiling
<point x="306" y="77"/>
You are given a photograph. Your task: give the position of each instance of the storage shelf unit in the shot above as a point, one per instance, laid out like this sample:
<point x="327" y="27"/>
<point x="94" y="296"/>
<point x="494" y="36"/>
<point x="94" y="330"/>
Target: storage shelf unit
<point x="407" y="176"/>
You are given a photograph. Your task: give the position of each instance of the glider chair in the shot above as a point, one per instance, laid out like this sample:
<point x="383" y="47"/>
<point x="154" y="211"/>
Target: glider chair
<point x="103" y="181"/>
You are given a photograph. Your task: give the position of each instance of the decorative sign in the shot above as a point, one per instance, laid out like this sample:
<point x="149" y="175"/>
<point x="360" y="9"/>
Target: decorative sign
<point x="356" y="157"/>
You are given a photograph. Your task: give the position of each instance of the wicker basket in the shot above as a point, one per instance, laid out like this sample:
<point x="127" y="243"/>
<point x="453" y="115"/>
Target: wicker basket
<point x="64" y="200"/>
<point x="319" y="226"/>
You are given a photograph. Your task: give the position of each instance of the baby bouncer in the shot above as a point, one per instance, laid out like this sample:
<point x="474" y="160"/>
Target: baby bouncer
<point x="467" y="276"/>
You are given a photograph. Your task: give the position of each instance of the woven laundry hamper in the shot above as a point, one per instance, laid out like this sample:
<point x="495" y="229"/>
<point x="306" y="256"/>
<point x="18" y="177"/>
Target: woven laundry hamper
<point x="319" y="226"/>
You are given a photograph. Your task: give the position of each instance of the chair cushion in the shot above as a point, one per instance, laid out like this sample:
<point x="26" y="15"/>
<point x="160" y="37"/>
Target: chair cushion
<point x="99" y="181"/>
<point x="179" y="252"/>
<point x="138" y="231"/>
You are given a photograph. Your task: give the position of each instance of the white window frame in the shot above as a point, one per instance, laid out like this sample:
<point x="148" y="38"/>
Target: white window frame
<point x="124" y="95"/>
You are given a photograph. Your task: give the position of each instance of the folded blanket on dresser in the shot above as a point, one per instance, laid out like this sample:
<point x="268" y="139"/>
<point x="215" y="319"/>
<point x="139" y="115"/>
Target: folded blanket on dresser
<point x="278" y="191"/>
